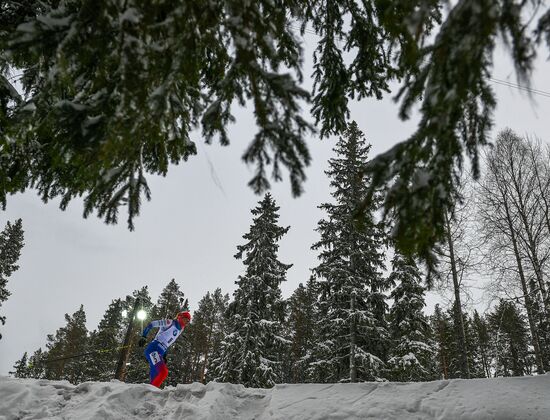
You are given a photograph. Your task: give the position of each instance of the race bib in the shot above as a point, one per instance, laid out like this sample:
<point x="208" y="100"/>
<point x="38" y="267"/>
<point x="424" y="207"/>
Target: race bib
<point x="155" y="357"/>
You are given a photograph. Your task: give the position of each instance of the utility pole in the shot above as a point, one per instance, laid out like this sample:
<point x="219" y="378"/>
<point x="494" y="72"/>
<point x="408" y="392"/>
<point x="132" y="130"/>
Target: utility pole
<point x="125" y="350"/>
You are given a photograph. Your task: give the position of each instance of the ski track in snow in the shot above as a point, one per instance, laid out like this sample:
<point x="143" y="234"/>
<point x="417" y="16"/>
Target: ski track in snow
<point x="500" y="398"/>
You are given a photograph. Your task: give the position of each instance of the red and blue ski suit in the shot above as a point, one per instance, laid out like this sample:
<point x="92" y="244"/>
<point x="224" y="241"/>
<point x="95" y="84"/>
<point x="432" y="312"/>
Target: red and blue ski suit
<point x="169" y="331"/>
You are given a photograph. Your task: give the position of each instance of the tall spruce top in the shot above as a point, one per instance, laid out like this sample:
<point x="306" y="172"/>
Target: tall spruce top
<point x="260" y="251"/>
<point x="251" y="352"/>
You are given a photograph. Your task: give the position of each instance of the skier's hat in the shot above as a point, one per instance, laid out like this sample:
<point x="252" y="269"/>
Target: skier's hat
<point x="185" y="314"/>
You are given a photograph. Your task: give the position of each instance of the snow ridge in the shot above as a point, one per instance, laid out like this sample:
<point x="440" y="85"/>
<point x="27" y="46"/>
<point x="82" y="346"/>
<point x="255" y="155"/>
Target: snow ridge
<point x="500" y="398"/>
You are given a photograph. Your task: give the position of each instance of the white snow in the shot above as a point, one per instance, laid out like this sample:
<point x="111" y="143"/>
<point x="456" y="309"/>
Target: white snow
<point x="500" y="398"/>
<point x="130" y="15"/>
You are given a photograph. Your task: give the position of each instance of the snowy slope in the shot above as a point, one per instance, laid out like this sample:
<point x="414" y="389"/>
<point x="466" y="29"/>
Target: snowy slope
<point x="512" y="398"/>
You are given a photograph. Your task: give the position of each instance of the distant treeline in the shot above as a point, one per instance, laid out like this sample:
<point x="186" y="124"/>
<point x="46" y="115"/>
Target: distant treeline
<point x="349" y="321"/>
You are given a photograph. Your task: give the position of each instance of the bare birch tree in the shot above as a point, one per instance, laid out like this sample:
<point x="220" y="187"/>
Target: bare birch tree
<point x="511" y="208"/>
<point x="459" y="258"/>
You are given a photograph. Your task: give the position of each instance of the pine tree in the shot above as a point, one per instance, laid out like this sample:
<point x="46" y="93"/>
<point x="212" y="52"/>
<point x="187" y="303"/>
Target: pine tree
<point x="353" y="336"/>
<point x="301" y="331"/>
<point x="252" y="352"/>
<point x="480" y="352"/>
<point x="169" y="302"/>
<point x="511" y="339"/>
<point x="451" y="350"/>
<point x="413" y="350"/>
<point x="11" y="243"/>
<point x="442" y="327"/>
<point x="206" y="333"/>
<point x="55" y="355"/>
<point x="458" y="350"/>
<point x="21" y="368"/>
<point x="76" y="336"/>
<point x="105" y="343"/>
<point x="67" y="350"/>
<point x="219" y="326"/>
<point x="37" y="364"/>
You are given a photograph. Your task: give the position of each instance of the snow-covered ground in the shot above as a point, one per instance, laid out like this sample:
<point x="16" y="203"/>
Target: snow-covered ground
<point x="512" y="398"/>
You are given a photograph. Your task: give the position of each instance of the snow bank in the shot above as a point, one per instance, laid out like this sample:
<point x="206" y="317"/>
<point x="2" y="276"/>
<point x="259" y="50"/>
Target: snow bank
<point x="511" y="398"/>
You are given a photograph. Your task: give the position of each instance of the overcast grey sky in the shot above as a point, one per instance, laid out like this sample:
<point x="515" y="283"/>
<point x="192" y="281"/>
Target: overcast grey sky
<point x="197" y="216"/>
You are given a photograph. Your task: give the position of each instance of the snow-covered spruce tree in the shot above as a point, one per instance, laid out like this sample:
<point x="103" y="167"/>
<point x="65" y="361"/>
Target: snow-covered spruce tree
<point x="481" y="352"/>
<point x="509" y="331"/>
<point x="206" y="332"/>
<point x="412" y="356"/>
<point x="450" y="353"/>
<point x="252" y="351"/>
<point x="457" y="349"/>
<point x="105" y="343"/>
<point x="11" y="242"/>
<point x="473" y="348"/>
<point x="443" y="335"/>
<point x="352" y="334"/>
<point x="300" y="327"/>
<point x="220" y="331"/>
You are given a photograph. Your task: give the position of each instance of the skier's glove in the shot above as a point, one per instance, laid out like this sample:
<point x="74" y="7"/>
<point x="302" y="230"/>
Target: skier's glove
<point x="142" y="341"/>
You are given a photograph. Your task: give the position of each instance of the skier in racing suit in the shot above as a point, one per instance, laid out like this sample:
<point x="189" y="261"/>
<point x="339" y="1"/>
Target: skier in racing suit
<point x="155" y="352"/>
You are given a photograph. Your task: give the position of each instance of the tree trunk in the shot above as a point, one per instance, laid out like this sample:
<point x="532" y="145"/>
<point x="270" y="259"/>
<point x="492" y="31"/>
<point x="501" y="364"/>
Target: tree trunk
<point x="443" y="359"/>
<point x="531" y="245"/>
<point x="459" y="319"/>
<point x="352" y="366"/>
<point x="526" y="295"/>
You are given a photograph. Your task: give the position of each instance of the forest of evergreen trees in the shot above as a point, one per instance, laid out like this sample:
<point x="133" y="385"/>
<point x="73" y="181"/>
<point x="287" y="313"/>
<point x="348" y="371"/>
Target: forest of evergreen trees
<point x="361" y="315"/>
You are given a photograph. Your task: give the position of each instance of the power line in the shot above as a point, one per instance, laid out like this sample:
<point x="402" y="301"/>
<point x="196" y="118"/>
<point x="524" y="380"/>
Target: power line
<point x="520" y="87"/>
<point x="74" y="356"/>
<point x="501" y="82"/>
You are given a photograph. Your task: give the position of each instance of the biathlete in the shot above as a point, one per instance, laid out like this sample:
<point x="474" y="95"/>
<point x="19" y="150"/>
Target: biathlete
<point x="155" y="352"/>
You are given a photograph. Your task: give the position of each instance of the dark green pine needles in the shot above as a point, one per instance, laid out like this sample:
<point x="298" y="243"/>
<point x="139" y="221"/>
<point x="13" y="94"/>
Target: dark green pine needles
<point x="108" y="92"/>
